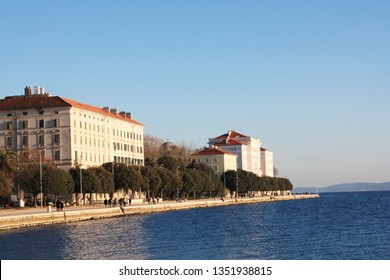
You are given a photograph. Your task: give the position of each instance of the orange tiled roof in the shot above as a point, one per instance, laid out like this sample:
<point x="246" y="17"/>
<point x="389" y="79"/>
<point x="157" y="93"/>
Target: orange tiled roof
<point x="211" y="151"/>
<point x="39" y="102"/>
<point x="230" y="134"/>
<point x="97" y="110"/>
<point x="229" y="142"/>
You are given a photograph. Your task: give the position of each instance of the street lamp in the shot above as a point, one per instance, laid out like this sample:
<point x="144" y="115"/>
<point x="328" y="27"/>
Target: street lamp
<point x="177" y="185"/>
<point x="81" y="182"/>
<point x="40" y="176"/>
<point x="161" y="168"/>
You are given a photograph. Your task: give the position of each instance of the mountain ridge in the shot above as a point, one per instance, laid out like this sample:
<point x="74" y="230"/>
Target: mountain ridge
<point x="347" y="187"/>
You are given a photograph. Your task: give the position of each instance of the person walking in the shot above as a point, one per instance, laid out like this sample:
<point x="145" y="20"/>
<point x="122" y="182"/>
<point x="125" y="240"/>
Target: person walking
<point x="105" y="202"/>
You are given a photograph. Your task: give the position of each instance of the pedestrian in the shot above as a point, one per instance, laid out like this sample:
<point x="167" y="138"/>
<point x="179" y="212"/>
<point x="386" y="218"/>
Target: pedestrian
<point x="124" y="202"/>
<point x="114" y="203"/>
<point x="105" y="202"/>
<point x="109" y="201"/>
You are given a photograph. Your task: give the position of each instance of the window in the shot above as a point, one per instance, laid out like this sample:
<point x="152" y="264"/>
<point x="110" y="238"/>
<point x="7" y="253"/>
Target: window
<point x="56" y="139"/>
<point x="215" y="160"/>
<point x="56" y="122"/>
<point x="41" y="123"/>
<point x="25" y="113"/>
<point x="41" y="140"/>
<point x="25" y="140"/>
<point x="41" y="112"/>
<point x="24" y="124"/>
<point x="57" y="155"/>
<point x="9" y="125"/>
<point x="9" y="141"/>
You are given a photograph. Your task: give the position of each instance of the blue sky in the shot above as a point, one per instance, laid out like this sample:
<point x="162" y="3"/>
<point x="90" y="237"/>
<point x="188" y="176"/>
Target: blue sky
<point x="309" y="78"/>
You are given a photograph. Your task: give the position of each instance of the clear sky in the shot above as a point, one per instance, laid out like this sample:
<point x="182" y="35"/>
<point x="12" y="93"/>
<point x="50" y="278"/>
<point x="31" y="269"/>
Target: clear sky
<point x="311" y="79"/>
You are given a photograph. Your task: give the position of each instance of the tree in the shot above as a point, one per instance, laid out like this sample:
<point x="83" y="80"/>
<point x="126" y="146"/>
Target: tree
<point x="152" y="180"/>
<point x="152" y="147"/>
<point x="105" y="177"/>
<point x="29" y="179"/>
<point x="8" y="164"/>
<point x="56" y="181"/>
<point x="90" y="182"/>
<point x="170" y="163"/>
<point x="5" y="186"/>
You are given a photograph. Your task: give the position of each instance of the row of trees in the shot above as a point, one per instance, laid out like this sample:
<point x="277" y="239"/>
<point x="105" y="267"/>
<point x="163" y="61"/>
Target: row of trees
<point x="168" y="177"/>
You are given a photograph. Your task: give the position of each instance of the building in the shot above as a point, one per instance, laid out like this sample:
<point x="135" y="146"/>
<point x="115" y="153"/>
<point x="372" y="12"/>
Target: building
<point x="246" y="148"/>
<point x="69" y="132"/>
<point x="218" y="160"/>
<point x="267" y="162"/>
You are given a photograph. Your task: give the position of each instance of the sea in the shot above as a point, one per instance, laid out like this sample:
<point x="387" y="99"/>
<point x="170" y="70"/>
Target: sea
<point x="336" y="226"/>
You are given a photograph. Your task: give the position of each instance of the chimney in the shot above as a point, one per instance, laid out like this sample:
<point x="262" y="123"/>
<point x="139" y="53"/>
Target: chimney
<point x="107" y="109"/>
<point x="39" y="90"/>
<point x="123" y="114"/>
<point x="113" y="111"/>
<point x="128" y="115"/>
<point x="27" y="91"/>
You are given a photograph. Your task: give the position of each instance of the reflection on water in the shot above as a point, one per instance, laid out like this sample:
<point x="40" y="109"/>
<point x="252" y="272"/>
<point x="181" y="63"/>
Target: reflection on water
<point x="117" y="238"/>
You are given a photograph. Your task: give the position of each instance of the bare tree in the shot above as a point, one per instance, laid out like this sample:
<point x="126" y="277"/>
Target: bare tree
<point x="152" y="147"/>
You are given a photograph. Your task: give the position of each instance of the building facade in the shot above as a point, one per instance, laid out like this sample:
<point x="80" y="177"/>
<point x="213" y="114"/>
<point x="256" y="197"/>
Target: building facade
<point x="69" y="132"/>
<point x="267" y="162"/>
<point x="246" y="148"/>
<point x="217" y="159"/>
<point x="250" y="155"/>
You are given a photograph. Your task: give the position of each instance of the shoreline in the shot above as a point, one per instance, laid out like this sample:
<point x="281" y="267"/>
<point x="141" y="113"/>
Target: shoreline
<point x="40" y="216"/>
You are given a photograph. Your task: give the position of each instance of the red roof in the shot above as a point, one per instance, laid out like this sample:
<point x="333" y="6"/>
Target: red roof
<point x="42" y="101"/>
<point x="230" y="134"/>
<point x="211" y="151"/>
<point x="229" y="142"/>
<point x="97" y="110"/>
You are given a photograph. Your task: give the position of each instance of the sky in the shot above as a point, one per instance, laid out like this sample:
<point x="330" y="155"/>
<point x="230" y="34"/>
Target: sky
<point x="310" y="79"/>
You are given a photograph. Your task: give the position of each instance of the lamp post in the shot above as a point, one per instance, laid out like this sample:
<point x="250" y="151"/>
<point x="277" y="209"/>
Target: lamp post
<point x="81" y="182"/>
<point x="161" y="168"/>
<point x="236" y="177"/>
<point x="40" y="176"/>
<point x="177" y="185"/>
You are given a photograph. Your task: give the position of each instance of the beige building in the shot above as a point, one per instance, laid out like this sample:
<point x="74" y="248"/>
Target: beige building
<point x="219" y="160"/>
<point x="69" y="132"/>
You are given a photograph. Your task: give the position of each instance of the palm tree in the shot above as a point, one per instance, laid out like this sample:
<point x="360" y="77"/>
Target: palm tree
<point x="8" y="163"/>
<point x="8" y="168"/>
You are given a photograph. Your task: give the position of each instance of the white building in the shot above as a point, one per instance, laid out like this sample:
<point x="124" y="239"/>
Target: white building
<point x="69" y="132"/>
<point x="267" y="162"/>
<point x="248" y="151"/>
<point x="245" y="147"/>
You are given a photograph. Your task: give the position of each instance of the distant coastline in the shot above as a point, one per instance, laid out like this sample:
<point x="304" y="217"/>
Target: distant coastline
<point x="350" y="187"/>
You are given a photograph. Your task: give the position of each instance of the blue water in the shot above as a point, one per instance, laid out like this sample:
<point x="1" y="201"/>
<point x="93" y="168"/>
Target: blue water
<point x="336" y="226"/>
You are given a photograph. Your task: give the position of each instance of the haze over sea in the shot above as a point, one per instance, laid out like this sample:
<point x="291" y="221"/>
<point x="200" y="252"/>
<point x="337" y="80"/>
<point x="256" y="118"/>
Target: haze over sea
<point x="336" y="226"/>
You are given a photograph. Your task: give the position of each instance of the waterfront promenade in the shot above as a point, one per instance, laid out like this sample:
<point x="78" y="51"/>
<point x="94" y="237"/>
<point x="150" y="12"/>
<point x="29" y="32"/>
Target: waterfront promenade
<point x="26" y="217"/>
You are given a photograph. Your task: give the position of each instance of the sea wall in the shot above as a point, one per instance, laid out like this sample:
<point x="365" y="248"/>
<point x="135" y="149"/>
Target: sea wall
<point x="71" y="215"/>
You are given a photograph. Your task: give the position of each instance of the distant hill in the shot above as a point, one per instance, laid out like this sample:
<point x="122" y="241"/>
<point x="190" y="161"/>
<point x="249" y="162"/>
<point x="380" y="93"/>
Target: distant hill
<point x="351" y="187"/>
